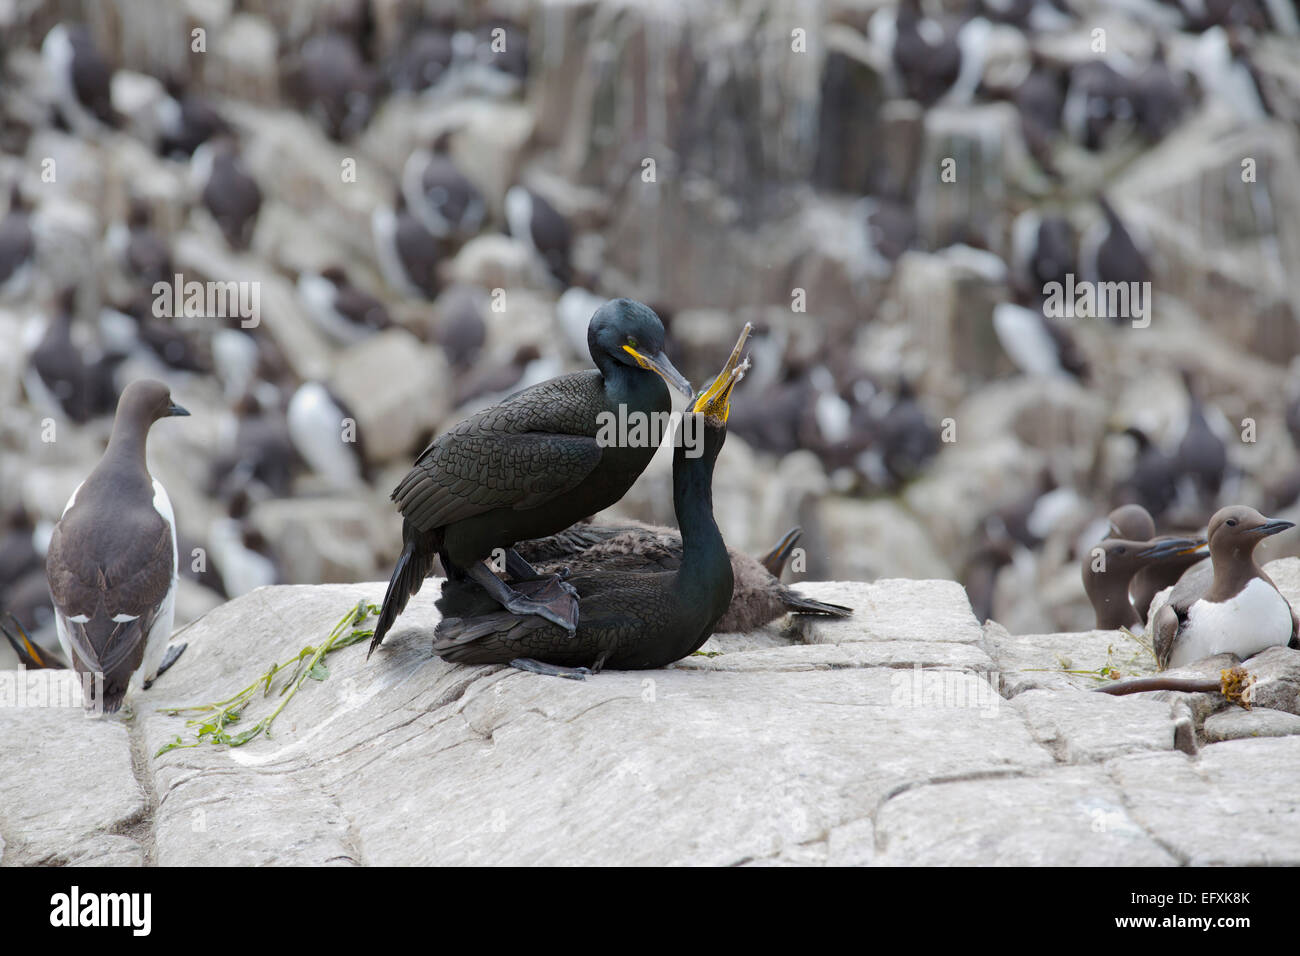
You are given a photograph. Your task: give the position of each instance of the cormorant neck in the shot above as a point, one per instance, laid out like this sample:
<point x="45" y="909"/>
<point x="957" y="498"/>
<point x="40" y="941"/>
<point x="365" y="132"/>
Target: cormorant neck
<point x="693" y="503"/>
<point x="618" y="376"/>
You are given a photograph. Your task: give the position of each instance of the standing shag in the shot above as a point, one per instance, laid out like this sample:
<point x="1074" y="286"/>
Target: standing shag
<point x="758" y="597"/>
<point x="631" y="620"/>
<point x="531" y="466"/>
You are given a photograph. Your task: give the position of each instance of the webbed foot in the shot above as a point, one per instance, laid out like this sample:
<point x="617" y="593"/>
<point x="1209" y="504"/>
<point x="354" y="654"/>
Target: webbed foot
<point x="550" y="670"/>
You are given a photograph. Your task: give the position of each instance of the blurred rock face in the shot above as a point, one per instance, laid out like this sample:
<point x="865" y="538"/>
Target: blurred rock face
<point x="886" y="192"/>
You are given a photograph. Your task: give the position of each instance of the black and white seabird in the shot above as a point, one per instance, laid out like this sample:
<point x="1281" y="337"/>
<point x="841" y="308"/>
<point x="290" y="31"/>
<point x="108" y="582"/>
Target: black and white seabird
<point x="1037" y="345"/>
<point x="1134" y="523"/>
<point x="188" y="121"/>
<point x="317" y="420"/>
<point x="1154" y="480"/>
<point x="539" y="224"/>
<point x="1201" y="458"/>
<point x="927" y="58"/>
<point x="17" y="248"/>
<point x="442" y="197"/>
<point x="62" y="376"/>
<point x="134" y="329"/>
<point x="145" y="256"/>
<point x="1100" y="105"/>
<point x="227" y="190"/>
<point x="81" y="78"/>
<point x="112" y="561"/>
<point x="1160" y="99"/>
<point x="330" y="80"/>
<point x="344" y="312"/>
<point x="1109" y="253"/>
<point x="1241" y="611"/>
<point x="1107" y="587"/>
<point x="408" y="254"/>
<point x="458" y="325"/>
<point x="423" y="61"/>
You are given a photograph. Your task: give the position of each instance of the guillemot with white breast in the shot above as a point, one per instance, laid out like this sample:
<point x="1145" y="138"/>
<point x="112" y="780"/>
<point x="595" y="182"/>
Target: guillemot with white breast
<point x="112" y="561"/>
<point x="1241" y="611"/>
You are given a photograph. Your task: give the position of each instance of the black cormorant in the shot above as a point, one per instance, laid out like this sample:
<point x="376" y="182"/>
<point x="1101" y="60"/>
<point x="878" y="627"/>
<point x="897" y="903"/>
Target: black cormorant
<point x="532" y="465"/>
<point x="630" y="620"/>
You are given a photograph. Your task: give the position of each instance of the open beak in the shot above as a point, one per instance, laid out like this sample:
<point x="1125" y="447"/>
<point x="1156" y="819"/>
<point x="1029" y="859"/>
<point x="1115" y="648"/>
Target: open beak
<point x="1272" y="526"/>
<point x="659" y="363"/>
<point x="1171" y="547"/>
<point x="175" y="410"/>
<point x="715" y="402"/>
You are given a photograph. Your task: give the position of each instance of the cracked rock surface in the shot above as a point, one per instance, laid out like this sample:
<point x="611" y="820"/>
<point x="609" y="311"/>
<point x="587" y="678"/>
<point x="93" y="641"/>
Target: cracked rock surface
<point x="906" y="735"/>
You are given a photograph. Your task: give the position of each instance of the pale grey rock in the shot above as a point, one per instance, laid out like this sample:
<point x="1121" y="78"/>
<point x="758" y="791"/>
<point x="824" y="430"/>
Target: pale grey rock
<point x="1235" y="724"/>
<point x="397" y="388"/>
<point x="891" y="610"/>
<point x="75" y="786"/>
<point x="242" y="60"/>
<point x="877" y="538"/>
<point x="1069" y="817"/>
<point x="1232" y="805"/>
<point x="1089" y="727"/>
<point x="1277" y="679"/>
<point x="494" y="261"/>
<point x="852" y="844"/>
<point x="107" y="849"/>
<point x="1028" y="661"/>
<point x="448" y="746"/>
<point x="1285" y="573"/>
<point x="814" y="657"/>
<point x="328" y="539"/>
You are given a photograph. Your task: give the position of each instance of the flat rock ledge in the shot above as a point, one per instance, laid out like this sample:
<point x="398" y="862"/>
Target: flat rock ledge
<point x="908" y="734"/>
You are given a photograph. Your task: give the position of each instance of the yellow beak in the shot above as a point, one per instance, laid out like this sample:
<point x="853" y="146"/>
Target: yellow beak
<point x="715" y="402"/>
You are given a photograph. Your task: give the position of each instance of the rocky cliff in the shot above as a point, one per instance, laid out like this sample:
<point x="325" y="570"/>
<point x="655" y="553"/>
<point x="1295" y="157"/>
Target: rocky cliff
<point x="908" y="734"/>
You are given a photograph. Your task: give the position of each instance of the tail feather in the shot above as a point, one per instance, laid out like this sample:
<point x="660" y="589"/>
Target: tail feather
<point x="413" y="566"/>
<point x="801" y="605"/>
<point x="776" y="559"/>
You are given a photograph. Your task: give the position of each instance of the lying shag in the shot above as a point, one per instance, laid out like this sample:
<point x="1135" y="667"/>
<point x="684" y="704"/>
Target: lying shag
<point x="759" y="596"/>
<point x="629" y="620"/>
<point x="531" y="466"/>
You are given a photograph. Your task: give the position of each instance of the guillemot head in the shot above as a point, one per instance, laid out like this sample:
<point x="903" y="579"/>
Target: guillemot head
<point x="147" y="401"/>
<point x="1239" y="529"/>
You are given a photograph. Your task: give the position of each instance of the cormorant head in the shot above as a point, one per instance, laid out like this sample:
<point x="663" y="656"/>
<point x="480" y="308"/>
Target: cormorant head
<point x="631" y="334"/>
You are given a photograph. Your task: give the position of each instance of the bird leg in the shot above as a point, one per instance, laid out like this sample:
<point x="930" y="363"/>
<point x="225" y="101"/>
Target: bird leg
<point x="560" y="606"/>
<point x="520" y="570"/>
<point x="551" y="670"/>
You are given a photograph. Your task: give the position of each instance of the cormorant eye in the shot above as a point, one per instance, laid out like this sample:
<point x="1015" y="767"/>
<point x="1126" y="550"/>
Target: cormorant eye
<point x="631" y="340"/>
<point x="1231" y="522"/>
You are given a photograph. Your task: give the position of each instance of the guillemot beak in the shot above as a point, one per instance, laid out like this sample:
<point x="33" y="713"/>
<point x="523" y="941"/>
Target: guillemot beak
<point x="1272" y="526"/>
<point x="1172" y="547"/>
<point x="175" y="410"/>
<point x="659" y="363"/>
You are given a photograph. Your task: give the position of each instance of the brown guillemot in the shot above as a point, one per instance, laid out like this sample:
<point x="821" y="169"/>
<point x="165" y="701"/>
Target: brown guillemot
<point x="1241" y="611"/>
<point x="112" y="561"/>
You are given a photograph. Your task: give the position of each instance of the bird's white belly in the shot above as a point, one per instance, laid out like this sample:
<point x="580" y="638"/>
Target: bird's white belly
<point x="1257" y="618"/>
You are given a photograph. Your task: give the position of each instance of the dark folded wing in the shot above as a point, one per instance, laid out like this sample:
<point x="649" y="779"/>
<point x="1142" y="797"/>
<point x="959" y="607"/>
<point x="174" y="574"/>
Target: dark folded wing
<point x="470" y="474"/>
<point x="118" y="598"/>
